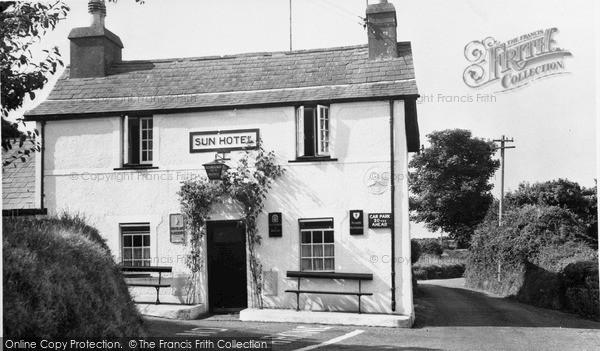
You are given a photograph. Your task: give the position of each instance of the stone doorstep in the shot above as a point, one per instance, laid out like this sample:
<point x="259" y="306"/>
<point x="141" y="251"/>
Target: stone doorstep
<point x="171" y="311"/>
<point x="314" y="317"/>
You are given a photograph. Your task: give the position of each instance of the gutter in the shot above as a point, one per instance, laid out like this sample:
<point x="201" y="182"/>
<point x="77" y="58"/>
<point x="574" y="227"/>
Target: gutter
<point x="145" y="112"/>
<point x="43" y="148"/>
<point x="393" y="198"/>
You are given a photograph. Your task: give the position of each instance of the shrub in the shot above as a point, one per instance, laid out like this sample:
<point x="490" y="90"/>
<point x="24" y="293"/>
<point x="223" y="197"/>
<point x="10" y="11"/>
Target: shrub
<point x="530" y="250"/>
<point x="434" y="267"/>
<point x="581" y="288"/>
<point x="61" y="281"/>
<point x="540" y="287"/>
<point x="527" y="232"/>
<point x="446" y="271"/>
<point x="579" y="200"/>
<point x="432" y="247"/>
<point x="415" y="251"/>
<point x="448" y="244"/>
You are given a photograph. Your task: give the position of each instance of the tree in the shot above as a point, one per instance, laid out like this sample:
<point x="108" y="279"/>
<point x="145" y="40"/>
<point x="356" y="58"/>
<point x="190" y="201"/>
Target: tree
<point x="581" y="201"/>
<point x="449" y="182"/>
<point x="22" y="24"/>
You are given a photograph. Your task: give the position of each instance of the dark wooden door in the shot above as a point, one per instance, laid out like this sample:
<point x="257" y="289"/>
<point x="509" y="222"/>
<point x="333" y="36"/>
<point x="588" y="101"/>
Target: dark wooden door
<point x="226" y="259"/>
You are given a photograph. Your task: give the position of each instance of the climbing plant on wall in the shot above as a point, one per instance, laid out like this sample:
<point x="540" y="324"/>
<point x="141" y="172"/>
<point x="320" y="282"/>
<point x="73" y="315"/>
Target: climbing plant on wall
<point x="196" y="198"/>
<point x="248" y="185"/>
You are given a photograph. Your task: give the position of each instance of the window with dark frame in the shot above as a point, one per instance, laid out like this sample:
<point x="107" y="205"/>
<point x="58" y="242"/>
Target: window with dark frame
<point x="317" y="251"/>
<point x="312" y="131"/>
<point x="135" y="243"/>
<point x="138" y="140"/>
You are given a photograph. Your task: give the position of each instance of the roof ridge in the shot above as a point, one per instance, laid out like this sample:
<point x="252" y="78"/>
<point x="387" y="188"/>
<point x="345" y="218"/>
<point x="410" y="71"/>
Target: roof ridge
<point x="249" y="54"/>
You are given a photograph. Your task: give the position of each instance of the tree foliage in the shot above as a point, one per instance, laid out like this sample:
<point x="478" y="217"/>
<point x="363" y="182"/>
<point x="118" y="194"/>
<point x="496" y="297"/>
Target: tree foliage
<point x="548" y="236"/>
<point x="432" y="247"/>
<point x="449" y="182"/>
<point x="581" y="201"/>
<point x="22" y="25"/>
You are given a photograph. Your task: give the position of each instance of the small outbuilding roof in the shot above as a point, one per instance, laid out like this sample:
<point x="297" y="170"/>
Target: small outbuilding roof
<point x="238" y="81"/>
<point x="18" y="178"/>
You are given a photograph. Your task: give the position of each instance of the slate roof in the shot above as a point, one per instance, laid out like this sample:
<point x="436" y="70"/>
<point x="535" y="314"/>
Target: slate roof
<point x="224" y="82"/>
<point x="18" y="179"/>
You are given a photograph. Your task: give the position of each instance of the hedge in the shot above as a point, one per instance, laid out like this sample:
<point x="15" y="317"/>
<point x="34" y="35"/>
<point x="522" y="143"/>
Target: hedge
<point x="531" y="251"/>
<point x="431" y="247"/>
<point x="439" y="271"/>
<point x="581" y="288"/>
<point x="415" y="251"/>
<point x="61" y="281"/>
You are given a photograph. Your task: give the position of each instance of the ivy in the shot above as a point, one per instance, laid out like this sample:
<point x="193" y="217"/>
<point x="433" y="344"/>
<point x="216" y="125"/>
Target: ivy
<point x="246" y="184"/>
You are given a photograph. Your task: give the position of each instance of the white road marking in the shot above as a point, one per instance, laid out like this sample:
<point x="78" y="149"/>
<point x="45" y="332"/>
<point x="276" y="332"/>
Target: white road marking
<point x="300" y="332"/>
<point x="332" y="341"/>
<point x="202" y="331"/>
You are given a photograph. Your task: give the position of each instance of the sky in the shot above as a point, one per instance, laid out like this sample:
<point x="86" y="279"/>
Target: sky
<point x="552" y="120"/>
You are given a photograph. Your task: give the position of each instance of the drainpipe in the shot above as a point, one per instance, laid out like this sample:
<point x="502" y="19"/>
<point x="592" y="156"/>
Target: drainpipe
<point x="393" y="194"/>
<point x="43" y="147"/>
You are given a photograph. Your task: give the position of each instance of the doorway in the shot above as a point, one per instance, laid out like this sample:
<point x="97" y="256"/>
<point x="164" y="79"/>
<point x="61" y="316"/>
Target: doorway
<point x="226" y="266"/>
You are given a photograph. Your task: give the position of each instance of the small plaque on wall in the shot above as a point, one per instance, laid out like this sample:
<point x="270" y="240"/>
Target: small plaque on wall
<point x="275" y="225"/>
<point x="357" y="222"/>
<point x="177" y="229"/>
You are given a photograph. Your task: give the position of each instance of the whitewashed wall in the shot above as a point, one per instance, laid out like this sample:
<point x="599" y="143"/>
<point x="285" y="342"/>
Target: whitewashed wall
<point x="80" y="178"/>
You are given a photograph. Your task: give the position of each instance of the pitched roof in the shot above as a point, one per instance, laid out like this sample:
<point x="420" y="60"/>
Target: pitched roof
<point x="18" y="179"/>
<point x="222" y="82"/>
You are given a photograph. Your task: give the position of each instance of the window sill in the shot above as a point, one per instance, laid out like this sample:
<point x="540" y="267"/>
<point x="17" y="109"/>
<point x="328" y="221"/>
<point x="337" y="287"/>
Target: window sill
<point x="313" y="159"/>
<point x="134" y="167"/>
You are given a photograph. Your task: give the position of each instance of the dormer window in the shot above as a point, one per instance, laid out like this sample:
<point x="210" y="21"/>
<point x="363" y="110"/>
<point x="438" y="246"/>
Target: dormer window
<point x="138" y="141"/>
<point x="312" y="131"/>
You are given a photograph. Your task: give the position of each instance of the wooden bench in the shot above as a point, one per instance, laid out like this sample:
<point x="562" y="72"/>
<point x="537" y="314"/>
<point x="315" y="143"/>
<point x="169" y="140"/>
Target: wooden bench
<point x="329" y="275"/>
<point x="145" y="272"/>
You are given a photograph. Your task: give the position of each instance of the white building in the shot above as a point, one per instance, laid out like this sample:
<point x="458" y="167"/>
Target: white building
<point x="120" y="136"/>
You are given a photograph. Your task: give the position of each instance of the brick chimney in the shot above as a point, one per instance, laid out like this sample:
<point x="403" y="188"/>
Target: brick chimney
<point x="381" y="26"/>
<point x="94" y="48"/>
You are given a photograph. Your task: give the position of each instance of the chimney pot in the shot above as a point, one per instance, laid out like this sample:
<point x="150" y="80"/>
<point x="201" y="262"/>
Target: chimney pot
<point x="97" y="8"/>
<point x="381" y="27"/>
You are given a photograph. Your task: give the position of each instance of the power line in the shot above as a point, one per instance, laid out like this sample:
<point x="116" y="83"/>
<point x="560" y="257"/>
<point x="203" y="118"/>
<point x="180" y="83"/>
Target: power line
<point x="339" y="13"/>
<point x="343" y="9"/>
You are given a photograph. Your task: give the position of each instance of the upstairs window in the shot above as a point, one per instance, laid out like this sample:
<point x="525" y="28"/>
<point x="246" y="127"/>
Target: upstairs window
<point x="312" y="131"/>
<point x="138" y="141"/>
<point x="316" y="244"/>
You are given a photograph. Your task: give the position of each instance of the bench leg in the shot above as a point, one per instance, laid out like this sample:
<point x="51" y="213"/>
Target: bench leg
<point x="359" y="312"/>
<point x="157" y="300"/>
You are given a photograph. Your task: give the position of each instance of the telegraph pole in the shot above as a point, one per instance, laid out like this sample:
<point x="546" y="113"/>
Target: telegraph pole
<point x="502" y="147"/>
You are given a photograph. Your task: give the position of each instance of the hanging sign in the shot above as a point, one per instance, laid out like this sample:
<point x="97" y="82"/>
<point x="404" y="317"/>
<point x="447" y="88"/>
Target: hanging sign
<point x="177" y="228"/>
<point x="357" y="222"/>
<point x="224" y="140"/>
<point x="275" y="226"/>
<point x="380" y="220"/>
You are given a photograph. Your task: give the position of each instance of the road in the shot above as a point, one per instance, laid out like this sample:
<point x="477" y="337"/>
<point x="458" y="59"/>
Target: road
<point x="449" y="317"/>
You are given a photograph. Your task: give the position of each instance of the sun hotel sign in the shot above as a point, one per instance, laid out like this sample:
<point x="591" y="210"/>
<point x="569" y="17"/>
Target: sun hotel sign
<point x="229" y="140"/>
<point x="514" y="63"/>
